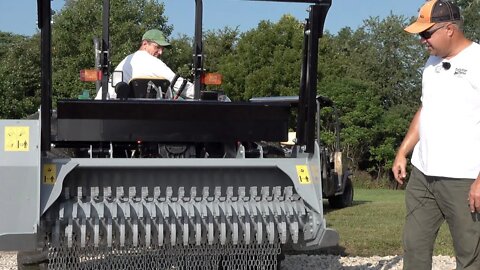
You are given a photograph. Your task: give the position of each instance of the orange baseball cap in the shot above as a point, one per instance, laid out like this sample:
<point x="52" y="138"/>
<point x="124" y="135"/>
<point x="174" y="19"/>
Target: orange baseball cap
<point x="432" y="12"/>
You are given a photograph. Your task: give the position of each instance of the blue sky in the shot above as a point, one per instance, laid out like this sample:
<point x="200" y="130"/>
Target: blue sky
<point x="19" y="16"/>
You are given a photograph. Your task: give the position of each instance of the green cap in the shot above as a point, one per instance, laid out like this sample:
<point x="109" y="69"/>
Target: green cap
<point x="156" y="36"/>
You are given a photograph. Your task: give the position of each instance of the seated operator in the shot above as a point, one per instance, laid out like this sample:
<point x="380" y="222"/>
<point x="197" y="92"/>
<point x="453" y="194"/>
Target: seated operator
<point x="145" y="63"/>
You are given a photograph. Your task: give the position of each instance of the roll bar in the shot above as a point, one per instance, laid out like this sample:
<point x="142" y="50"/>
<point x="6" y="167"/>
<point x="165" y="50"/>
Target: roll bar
<point x="44" y="18"/>
<point x="198" y="50"/>
<point x="308" y="84"/>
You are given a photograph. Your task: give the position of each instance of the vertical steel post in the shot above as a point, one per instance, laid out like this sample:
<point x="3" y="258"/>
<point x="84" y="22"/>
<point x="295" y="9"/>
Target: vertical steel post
<point x="311" y="91"/>
<point x="105" y="63"/>
<point x="303" y="84"/>
<point x="318" y="13"/>
<point x="44" y="19"/>
<point x="96" y="50"/>
<point x="198" y="49"/>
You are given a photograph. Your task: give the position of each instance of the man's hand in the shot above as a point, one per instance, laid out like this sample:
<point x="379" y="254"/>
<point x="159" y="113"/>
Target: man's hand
<point x="399" y="168"/>
<point x="474" y="196"/>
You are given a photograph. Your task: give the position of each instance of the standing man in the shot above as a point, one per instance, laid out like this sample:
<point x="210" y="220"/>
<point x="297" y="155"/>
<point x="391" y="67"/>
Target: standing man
<point x="445" y="138"/>
<point x="145" y="63"/>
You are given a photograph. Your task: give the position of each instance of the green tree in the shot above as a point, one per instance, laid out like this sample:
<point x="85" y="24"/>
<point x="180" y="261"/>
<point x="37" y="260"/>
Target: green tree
<point x="397" y="62"/>
<point x="266" y="61"/>
<point x="7" y="40"/>
<point x="19" y="75"/>
<point x="360" y="110"/>
<point x="389" y="131"/>
<point x="179" y="56"/>
<point x="218" y="44"/>
<point x="471" y="15"/>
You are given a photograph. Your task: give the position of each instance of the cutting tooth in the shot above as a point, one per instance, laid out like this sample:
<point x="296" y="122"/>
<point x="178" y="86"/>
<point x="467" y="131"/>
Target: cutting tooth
<point x="282" y="228"/>
<point x="83" y="232"/>
<point x="294" y="231"/>
<point x="135" y="232"/>
<point x="69" y="233"/>
<point x="198" y="230"/>
<point x="271" y="229"/>
<point x="148" y="232"/>
<point x="96" y="232"/>
<point x="109" y="232"/>
<point x="185" y="230"/>
<point x="235" y="230"/>
<point x="271" y="232"/>
<point x="259" y="230"/>
<point x="223" y="231"/>
<point x="247" y="222"/>
<point x="160" y="231"/>
<point x="122" y="232"/>
<point x="173" y="231"/>
<point x="210" y="232"/>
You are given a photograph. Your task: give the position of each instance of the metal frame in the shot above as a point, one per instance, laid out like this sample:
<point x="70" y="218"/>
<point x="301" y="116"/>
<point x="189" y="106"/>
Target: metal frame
<point x="44" y="18"/>
<point x="105" y="56"/>
<point x="308" y="87"/>
<point x="198" y="49"/>
<point x="308" y="91"/>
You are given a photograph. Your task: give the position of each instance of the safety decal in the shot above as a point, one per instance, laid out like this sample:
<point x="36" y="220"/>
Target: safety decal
<point x="49" y="174"/>
<point x="303" y="174"/>
<point x="17" y="139"/>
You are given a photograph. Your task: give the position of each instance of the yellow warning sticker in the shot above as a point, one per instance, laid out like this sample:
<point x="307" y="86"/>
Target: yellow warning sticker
<point x="303" y="174"/>
<point x="49" y="174"/>
<point x="17" y="139"/>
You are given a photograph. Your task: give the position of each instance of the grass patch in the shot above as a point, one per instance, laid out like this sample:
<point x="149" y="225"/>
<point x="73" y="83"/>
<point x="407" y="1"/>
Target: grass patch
<point x="374" y="225"/>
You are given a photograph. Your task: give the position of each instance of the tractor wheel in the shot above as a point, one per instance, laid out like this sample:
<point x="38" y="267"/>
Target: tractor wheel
<point x="345" y="199"/>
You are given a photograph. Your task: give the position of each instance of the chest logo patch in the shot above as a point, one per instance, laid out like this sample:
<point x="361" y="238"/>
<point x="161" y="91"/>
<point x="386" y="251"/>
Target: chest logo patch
<point x="460" y="72"/>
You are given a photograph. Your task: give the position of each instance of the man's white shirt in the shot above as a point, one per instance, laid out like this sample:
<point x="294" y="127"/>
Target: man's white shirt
<point x="449" y="144"/>
<point x="143" y="65"/>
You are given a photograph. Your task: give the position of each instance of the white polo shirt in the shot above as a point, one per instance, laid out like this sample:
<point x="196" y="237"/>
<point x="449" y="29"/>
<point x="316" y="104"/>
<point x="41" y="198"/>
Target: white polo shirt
<point x="449" y="144"/>
<point x="142" y="64"/>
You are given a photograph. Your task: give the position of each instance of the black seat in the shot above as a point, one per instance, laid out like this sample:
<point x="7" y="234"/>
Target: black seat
<point x="148" y="88"/>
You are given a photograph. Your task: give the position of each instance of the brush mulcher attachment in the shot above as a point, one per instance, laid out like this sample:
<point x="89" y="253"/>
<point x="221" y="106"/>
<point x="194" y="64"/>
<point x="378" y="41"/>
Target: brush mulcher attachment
<point x="110" y="211"/>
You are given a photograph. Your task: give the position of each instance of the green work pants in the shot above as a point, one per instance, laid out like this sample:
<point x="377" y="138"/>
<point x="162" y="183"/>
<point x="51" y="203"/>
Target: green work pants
<point x="429" y="201"/>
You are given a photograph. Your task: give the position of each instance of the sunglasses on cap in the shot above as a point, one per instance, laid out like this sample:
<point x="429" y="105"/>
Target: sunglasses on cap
<point x="427" y="34"/>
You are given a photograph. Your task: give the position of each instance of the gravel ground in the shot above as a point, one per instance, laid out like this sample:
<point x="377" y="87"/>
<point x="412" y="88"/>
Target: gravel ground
<point x="330" y="262"/>
<point x="8" y="261"/>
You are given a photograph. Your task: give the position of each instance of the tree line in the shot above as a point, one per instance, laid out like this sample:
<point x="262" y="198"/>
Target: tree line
<point x="372" y="73"/>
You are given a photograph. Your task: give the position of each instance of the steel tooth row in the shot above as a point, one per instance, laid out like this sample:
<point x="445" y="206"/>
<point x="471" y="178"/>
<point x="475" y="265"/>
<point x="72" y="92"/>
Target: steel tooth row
<point x="274" y="215"/>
